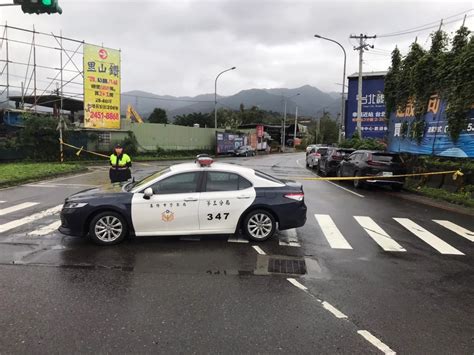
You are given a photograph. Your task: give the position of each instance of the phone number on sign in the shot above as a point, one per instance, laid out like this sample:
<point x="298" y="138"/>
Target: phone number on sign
<point x="104" y="115"/>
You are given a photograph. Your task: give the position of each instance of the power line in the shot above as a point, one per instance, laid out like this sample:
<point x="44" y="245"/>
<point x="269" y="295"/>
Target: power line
<point x="422" y="29"/>
<point x="390" y="34"/>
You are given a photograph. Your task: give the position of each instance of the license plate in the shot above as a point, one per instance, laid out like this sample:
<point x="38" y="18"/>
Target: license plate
<point x="387" y="173"/>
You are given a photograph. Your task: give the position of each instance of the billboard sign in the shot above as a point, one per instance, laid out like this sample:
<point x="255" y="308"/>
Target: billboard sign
<point x="373" y="107"/>
<point x="101" y="87"/>
<point x="260" y="131"/>
<point x="436" y="139"/>
<point x="228" y="142"/>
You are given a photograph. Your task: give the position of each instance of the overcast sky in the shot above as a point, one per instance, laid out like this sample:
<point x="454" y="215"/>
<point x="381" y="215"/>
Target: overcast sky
<point x="177" y="47"/>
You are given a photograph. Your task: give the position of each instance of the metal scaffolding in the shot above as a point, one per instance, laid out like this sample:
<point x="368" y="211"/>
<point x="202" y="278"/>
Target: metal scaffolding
<point x="35" y="63"/>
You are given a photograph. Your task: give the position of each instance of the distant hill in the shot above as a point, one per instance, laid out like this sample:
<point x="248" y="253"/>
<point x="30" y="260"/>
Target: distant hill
<point x="311" y="101"/>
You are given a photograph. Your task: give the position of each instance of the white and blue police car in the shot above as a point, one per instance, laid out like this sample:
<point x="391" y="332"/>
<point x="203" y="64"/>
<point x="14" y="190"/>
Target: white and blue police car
<point x="199" y="198"/>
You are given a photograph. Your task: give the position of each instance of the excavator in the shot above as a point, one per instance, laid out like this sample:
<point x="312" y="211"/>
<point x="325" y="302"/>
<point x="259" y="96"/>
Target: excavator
<point x="133" y="115"/>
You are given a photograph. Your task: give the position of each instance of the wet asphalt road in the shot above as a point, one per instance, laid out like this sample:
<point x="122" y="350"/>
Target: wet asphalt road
<point x="216" y="294"/>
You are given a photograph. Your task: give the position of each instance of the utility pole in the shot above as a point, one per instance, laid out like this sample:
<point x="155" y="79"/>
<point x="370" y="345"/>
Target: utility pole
<point x="296" y="123"/>
<point x="362" y="46"/>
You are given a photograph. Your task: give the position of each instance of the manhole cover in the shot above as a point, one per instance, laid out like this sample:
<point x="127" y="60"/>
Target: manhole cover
<point x="286" y="266"/>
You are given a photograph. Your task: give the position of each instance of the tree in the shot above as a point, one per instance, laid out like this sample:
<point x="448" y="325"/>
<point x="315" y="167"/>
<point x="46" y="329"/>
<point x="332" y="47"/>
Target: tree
<point x="39" y="138"/>
<point x="158" y="116"/>
<point x="422" y="74"/>
<point x="392" y="83"/>
<point x="203" y="119"/>
<point x="460" y="85"/>
<point x="323" y="131"/>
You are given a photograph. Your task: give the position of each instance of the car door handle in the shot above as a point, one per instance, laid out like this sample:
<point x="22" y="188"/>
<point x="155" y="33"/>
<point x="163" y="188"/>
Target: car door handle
<point x="243" y="196"/>
<point x="189" y="199"/>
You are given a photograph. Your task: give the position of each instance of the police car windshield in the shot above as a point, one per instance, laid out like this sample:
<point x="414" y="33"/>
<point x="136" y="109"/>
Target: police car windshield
<point x="146" y="180"/>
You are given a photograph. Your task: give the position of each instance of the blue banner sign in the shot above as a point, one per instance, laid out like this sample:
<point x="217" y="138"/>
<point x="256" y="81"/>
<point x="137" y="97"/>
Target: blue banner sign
<point x="436" y="139"/>
<point x="373" y="107"/>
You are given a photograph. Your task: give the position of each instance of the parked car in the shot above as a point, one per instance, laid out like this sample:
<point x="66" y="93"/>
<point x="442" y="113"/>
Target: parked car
<point x="328" y="163"/>
<point x="244" y="151"/>
<point x="314" y="155"/>
<point x="374" y="163"/>
<point x="309" y="148"/>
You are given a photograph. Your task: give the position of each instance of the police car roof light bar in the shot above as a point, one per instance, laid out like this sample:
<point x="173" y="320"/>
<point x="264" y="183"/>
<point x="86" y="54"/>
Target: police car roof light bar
<point x="204" y="160"/>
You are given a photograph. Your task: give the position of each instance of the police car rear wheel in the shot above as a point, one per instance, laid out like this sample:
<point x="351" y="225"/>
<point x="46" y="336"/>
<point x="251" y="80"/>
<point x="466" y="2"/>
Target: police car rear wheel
<point x="259" y="225"/>
<point x="107" y="228"/>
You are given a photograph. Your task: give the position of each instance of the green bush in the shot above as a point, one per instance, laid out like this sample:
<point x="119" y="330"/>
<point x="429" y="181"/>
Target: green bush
<point x="38" y="140"/>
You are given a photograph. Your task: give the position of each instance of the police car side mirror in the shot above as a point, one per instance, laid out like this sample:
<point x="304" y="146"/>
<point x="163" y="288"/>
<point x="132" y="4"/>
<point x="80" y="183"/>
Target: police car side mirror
<point x="147" y="193"/>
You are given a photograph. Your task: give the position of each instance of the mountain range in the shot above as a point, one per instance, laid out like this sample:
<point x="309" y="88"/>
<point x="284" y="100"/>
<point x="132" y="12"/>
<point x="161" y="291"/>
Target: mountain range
<point x="311" y="101"/>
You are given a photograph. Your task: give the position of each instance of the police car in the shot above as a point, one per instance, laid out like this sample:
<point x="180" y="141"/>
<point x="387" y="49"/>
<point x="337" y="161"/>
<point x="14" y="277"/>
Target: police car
<point x="187" y="199"/>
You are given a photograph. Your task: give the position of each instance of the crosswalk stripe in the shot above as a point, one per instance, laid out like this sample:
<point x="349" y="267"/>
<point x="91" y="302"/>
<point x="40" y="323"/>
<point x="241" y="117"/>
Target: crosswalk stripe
<point x="378" y="234"/>
<point x="334" y="237"/>
<point x="50" y="228"/>
<point x="428" y="237"/>
<point x="15" y="208"/>
<point x="19" y="222"/>
<point x="237" y="240"/>
<point x="463" y="232"/>
<point x="289" y="238"/>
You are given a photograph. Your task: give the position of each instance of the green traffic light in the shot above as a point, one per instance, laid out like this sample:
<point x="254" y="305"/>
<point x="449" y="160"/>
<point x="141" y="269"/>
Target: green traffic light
<point x="46" y="2"/>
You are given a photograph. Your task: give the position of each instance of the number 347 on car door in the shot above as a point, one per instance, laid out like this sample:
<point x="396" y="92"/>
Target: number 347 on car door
<point x="218" y="216"/>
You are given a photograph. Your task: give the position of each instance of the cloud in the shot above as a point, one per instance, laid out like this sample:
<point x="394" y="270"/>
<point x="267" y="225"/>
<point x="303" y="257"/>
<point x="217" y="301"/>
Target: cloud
<point x="178" y="47"/>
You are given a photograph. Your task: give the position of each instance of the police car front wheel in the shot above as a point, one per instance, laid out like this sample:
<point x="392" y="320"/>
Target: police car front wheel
<point x="259" y="225"/>
<point x="107" y="228"/>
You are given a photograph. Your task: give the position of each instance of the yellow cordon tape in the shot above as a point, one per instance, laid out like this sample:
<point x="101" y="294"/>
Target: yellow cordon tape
<point x="455" y="173"/>
<point x="81" y="149"/>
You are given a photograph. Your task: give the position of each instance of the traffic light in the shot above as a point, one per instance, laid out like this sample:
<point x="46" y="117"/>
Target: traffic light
<point x="39" y="6"/>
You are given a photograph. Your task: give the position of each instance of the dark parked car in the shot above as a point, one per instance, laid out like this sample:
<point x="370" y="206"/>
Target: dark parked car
<point x="329" y="162"/>
<point x="244" y="151"/>
<point x="374" y="163"/>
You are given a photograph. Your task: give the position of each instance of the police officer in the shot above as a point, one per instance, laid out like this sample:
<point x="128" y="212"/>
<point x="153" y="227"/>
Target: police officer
<point x="120" y="164"/>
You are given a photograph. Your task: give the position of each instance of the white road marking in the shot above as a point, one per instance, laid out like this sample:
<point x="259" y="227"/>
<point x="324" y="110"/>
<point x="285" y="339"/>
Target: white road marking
<point x="345" y="189"/>
<point x="70" y="177"/>
<point x="50" y="228"/>
<point x="428" y="237"/>
<point x="334" y="237"/>
<point x="3" y="201"/>
<point x="72" y="186"/>
<point x="330" y="182"/>
<point x="237" y="240"/>
<point x="17" y="207"/>
<point x="258" y="250"/>
<point x="463" y="232"/>
<point x="284" y="243"/>
<point x="337" y="313"/>
<point x="378" y="234"/>
<point x="19" y="222"/>
<point x="190" y="239"/>
<point x="297" y="284"/>
<point x="376" y="342"/>
<point x="291" y="239"/>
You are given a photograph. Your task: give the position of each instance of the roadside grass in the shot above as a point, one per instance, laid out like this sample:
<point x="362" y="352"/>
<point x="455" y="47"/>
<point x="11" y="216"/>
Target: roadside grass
<point x="12" y="174"/>
<point x="458" y="198"/>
